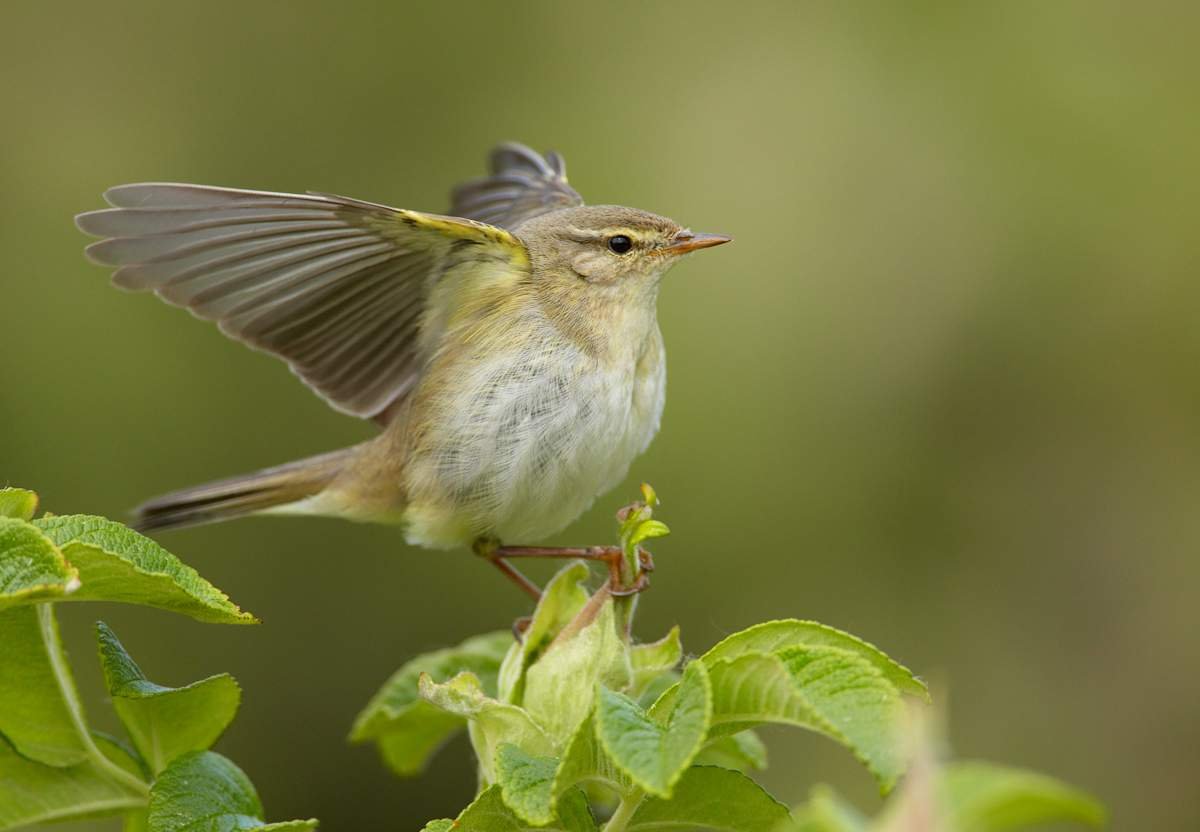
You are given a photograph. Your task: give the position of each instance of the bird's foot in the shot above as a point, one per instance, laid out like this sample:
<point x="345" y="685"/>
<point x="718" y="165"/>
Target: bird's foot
<point x="640" y="583"/>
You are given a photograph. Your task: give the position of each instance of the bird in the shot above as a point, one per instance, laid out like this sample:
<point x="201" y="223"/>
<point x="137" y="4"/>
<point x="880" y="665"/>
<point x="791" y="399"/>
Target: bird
<point x="509" y="350"/>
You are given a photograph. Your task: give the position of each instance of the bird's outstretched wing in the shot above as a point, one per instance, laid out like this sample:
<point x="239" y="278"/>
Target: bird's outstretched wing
<point x="334" y="286"/>
<point x="523" y="184"/>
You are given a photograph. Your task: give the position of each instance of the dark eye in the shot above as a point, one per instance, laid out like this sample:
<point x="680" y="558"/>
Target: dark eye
<point x="619" y="244"/>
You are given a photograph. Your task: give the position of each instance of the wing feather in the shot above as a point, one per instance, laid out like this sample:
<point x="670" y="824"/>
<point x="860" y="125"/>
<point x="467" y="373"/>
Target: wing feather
<point x="334" y="286"/>
<point x="523" y="184"/>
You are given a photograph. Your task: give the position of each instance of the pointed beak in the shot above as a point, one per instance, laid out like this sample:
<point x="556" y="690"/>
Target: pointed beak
<point x="686" y="241"/>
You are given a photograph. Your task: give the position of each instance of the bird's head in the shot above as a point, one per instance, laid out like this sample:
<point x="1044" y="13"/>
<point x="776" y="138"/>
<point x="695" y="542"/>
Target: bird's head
<point x="609" y="247"/>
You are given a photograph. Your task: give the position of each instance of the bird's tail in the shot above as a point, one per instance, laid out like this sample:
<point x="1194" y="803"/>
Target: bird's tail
<point x="271" y="488"/>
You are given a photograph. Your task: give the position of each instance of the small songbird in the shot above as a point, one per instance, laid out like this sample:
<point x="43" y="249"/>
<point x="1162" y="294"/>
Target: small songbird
<point x="510" y="352"/>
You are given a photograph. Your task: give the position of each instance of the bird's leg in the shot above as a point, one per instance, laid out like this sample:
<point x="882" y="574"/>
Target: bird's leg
<point x="609" y="555"/>
<point x="489" y="548"/>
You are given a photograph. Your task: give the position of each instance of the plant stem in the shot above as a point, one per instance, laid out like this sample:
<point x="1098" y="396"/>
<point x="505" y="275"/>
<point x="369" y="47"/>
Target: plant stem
<point x="66" y="686"/>
<point x="628" y="805"/>
<point x="626" y="606"/>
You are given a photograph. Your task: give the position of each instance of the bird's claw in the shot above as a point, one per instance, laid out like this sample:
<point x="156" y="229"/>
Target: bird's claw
<point x="640" y="583"/>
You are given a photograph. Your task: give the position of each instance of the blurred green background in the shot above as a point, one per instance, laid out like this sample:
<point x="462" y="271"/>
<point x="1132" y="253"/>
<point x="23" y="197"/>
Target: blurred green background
<point x="941" y="392"/>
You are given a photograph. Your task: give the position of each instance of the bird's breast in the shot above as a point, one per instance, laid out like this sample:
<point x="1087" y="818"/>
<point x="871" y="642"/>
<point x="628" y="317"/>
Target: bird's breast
<point x="519" y="442"/>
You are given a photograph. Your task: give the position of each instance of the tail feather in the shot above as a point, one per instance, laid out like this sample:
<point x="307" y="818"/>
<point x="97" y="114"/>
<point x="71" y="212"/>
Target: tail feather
<point x="241" y="495"/>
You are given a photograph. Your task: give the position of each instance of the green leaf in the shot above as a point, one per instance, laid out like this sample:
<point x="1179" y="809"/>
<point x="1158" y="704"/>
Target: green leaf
<point x="585" y="761"/>
<point x="743" y="750"/>
<point x="32" y="793"/>
<point x="825" y="812"/>
<point x="574" y="813"/>
<point x="657" y="686"/>
<point x="562" y="599"/>
<point x="116" y="563"/>
<point x="205" y="792"/>
<point x="492" y="722"/>
<point x="164" y="722"/>
<point x="853" y="703"/>
<point x="982" y="797"/>
<point x="18" y="503"/>
<point x="648" y="529"/>
<point x="654" y="659"/>
<point x="655" y="756"/>
<point x="526" y="783"/>
<point x="136" y="821"/>
<point x="710" y="798"/>
<point x="409" y="730"/>
<point x="649" y="496"/>
<point x="826" y="689"/>
<point x="34" y="717"/>
<point x="416" y="737"/>
<point x="117" y="750"/>
<point x="31" y="567"/>
<point x="772" y="636"/>
<point x="488" y="813"/>
<point x="560" y="687"/>
<point x="440" y="825"/>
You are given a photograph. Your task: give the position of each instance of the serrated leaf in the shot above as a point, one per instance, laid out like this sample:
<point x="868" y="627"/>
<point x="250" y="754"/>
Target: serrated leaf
<point x="33" y="793"/>
<point x="562" y="599"/>
<point x="439" y="825"/>
<point x="560" y="685"/>
<point x="492" y="722"/>
<point x="34" y="718"/>
<point x="711" y="798"/>
<point x="115" y="563"/>
<point x="203" y="791"/>
<point x="409" y="730"/>
<point x="654" y="755"/>
<point x="741" y="751"/>
<point x="654" y="659"/>
<point x="854" y="703"/>
<point x="772" y="636"/>
<point x="526" y="783"/>
<point x="32" y="568"/>
<point x="164" y="722"/>
<point x="983" y="797"/>
<point x="826" y="689"/>
<point x="18" y="503"/>
<point x="488" y="813"/>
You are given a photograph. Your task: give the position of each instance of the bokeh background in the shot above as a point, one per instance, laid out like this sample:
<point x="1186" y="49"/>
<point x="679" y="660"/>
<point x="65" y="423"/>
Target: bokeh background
<point x="941" y="392"/>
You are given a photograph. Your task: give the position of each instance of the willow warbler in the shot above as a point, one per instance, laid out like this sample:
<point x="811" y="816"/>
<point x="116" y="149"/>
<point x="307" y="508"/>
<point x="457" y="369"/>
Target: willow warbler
<point x="510" y="351"/>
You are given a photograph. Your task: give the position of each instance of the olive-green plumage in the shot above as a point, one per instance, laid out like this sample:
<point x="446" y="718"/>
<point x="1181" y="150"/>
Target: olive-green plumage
<point x="510" y="351"/>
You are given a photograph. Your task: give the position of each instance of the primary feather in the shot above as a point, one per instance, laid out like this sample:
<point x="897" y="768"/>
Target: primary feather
<point x="334" y="286"/>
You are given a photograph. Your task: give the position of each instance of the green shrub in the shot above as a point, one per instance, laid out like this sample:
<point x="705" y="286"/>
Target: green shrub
<point x="571" y="721"/>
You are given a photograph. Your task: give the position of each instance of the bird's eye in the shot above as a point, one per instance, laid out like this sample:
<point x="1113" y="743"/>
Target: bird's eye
<point x="620" y="244"/>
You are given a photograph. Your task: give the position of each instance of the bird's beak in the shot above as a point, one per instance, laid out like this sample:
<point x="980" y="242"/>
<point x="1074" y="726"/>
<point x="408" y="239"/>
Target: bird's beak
<point x="686" y="241"/>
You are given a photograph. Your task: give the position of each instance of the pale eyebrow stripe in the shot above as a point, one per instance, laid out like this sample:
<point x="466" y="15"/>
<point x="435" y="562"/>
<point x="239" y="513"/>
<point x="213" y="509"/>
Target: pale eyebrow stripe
<point x="584" y="235"/>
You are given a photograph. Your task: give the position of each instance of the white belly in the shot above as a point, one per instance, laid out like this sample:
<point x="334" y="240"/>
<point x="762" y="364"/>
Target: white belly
<point x="527" y="444"/>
